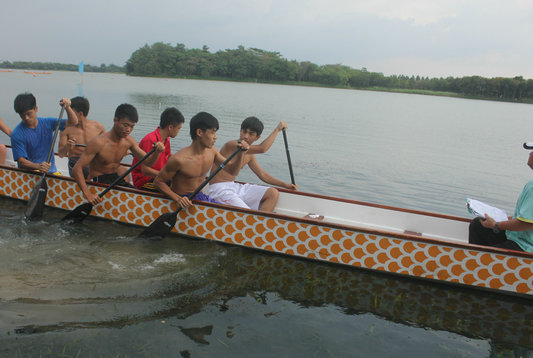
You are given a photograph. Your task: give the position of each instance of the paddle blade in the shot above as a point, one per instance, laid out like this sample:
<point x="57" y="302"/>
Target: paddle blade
<point x="79" y="213"/>
<point x="35" y="207"/>
<point x="161" y="227"/>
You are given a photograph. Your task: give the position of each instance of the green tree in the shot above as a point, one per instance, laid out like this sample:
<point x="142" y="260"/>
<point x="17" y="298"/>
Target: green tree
<point x="261" y="65"/>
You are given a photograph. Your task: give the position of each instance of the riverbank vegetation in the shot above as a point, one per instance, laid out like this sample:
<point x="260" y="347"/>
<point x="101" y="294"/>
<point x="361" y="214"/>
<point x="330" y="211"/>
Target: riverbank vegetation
<point x="256" y="65"/>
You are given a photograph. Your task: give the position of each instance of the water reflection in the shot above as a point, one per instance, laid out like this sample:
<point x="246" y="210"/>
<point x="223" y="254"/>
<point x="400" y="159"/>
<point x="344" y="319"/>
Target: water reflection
<point x="411" y="302"/>
<point x="99" y="278"/>
<point x="264" y="278"/>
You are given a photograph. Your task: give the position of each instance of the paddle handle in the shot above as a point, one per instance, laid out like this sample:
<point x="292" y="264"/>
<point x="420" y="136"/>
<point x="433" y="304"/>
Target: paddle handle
<point x="288" y="155"/>
<point x="117" y="180"/>
<point x="205" y="182"/>
<point x="56" y="131"/>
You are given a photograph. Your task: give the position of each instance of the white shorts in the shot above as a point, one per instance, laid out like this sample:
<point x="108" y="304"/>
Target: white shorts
<point x="242" y="195"/>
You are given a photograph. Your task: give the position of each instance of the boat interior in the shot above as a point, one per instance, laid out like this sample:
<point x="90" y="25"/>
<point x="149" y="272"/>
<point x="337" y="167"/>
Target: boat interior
<point x="373" y="217"/>
<point x="349" y="213"/>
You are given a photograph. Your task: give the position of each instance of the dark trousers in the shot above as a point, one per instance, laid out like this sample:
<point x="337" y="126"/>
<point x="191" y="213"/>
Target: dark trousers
<point x="480" y="235"/>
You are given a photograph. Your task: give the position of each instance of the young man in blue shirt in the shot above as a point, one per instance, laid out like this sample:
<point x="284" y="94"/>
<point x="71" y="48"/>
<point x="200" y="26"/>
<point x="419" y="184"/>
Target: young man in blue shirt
<point x="32" y="137"/>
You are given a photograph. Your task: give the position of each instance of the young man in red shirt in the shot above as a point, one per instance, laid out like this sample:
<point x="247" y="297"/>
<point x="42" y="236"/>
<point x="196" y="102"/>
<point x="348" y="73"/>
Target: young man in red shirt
<point x="169" y="126"/>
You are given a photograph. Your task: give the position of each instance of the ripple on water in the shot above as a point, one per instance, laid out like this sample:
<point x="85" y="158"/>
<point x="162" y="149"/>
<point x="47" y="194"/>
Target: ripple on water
<point x="170" y="259"/>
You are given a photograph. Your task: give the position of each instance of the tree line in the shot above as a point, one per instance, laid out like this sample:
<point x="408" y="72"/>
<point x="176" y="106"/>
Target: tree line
<point x="253" y="64"/>
<point x="256" y="65"/>
<point x="52" y="66"/>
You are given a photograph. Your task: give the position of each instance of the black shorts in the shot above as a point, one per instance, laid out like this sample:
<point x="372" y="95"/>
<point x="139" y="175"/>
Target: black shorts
<point x="71" y="162"/>
<point x="110" y="178"/>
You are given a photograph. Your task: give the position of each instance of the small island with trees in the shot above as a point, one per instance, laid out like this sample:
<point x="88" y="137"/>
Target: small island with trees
<point x="256" y="65"/>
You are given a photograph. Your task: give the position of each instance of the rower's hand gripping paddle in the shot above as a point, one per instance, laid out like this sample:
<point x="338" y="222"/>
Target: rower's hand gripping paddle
<point x="164" y="223"/>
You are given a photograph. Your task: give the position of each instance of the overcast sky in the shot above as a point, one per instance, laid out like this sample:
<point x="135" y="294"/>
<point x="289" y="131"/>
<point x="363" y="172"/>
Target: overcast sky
<point x="412" y="37"/>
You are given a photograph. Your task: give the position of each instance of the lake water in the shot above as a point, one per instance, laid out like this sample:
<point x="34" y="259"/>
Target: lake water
<point x="91" y="290"/>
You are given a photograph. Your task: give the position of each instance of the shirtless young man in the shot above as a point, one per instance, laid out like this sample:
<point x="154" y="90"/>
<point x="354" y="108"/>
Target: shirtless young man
<point x="74" y="139"/>
<point x="186" y="169"/>
<point x="104" y="153"/>
<point x="257" y="197"/>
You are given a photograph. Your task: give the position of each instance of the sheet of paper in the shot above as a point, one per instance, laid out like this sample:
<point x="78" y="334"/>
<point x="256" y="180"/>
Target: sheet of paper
<point x="479" y="208"/>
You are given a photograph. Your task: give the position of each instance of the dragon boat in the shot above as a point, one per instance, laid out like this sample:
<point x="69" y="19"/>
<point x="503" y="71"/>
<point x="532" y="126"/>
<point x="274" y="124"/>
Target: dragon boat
<point x="398" y="241"/>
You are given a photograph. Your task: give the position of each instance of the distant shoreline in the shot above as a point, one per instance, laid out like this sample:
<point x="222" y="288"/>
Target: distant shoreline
<point x="374" y="89"/>
<point x="424" y="92"/>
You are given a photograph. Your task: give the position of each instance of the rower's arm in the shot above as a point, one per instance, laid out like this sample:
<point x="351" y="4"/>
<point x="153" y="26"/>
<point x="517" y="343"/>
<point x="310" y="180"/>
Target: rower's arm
<point x="165" y="175"/>
<point x="267" y="143"/>
<point x="4" y="128"/>
<point x="146" y="145"/>
<point x="267" y="178"/>
<point x="63" y="146"/>
<point x="139" y="153"/>
<point x="149" y="171"/>
<point x="77" y="171"/>
<point x="25" y="163"/>
<point x="234" y="165"/>
<point x="72" y="118"/>
<point x="101" y="128"/>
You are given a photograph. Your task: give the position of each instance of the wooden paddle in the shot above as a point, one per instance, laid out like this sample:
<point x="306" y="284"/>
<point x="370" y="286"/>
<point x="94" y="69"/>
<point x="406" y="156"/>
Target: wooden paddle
<point x="34" y="209"/>
<point x="164" y="223"/>
<point x="288" y="155"/>
<point x="83" y="210"/>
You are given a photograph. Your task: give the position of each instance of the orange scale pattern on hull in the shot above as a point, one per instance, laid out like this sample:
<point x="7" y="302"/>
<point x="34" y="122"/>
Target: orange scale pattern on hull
<point x="370" y="251"/>
<point x="358" y="249"/>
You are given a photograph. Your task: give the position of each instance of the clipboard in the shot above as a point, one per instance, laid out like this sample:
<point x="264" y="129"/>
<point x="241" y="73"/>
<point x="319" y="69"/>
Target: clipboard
<point x="479" y="208"/>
